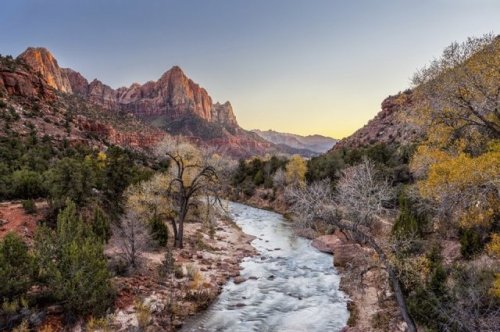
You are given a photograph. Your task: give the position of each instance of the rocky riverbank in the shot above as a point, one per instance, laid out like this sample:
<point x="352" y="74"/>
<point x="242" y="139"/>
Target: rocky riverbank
<point x="161" y="303"/>
<point x="372" y="305"/>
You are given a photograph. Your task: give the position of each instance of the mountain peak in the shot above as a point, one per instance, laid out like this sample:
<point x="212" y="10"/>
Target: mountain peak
<point x="43" y="62"/>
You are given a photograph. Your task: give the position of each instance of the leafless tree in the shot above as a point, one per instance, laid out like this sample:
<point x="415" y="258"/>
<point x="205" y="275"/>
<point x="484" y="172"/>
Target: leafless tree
<point x="317" y="202"/>
<point x="133" y="237"/>
<point x="362" y="193"/>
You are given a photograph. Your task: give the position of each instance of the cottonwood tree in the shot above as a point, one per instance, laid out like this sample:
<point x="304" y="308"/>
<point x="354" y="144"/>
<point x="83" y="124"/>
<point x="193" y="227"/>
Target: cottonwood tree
<point x="459" y="93"/>
<point x="316" y="202"/>
<point x="191" y="176"/>
<point x="295" y="171"/>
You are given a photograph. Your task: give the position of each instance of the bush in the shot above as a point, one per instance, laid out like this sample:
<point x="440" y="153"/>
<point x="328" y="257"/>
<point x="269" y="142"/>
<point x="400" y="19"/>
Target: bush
<point x="27" y="184"/>
<point x="470" y="242"/>
<point x="101" y="225"/>
<point x="159" y="231"/>
<point x="16" y="267"/>
<point x="29" y="206"/>
<point x="73" y="266"/>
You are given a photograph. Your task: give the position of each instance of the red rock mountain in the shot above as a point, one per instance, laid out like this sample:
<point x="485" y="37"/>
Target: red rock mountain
<point x="388" y="126"/>
<point x="173" y="103"/>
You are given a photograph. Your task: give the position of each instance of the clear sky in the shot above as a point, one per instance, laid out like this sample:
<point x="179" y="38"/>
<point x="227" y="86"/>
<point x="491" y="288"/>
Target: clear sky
<point x="295" y="66"/>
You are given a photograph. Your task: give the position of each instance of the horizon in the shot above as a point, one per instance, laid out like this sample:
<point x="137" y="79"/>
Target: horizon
<point x="272" y="61"/>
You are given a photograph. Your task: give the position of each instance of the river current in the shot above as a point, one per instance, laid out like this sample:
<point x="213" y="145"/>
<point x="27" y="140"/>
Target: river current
<point x="290" y="286"/>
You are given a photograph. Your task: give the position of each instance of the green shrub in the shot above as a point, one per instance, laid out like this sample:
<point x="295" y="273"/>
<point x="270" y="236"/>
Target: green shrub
<point x="101" y="225"/>
<point x="73" y="266"/>
<point x="16" y="267"/>
<point x="27" y="184"/>
<point x="159" y="231"/>
<point x="29" y="206"/>
<point x="470" y="242"/>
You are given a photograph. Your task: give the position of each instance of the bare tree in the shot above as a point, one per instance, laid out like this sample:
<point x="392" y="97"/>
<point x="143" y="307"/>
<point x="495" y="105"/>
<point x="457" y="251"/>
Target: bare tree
<point x="191" y="176"/>
<point x="362" y="193"/>
<point x="133" y="237"/>
<point x="316" y="202"/>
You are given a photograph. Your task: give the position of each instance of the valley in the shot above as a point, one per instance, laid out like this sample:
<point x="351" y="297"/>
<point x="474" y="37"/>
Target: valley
<point x="153" y="206"/>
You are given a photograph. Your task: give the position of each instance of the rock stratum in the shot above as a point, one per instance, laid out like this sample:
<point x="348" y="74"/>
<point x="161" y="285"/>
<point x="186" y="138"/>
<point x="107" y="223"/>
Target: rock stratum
<point x="174" y="103"/>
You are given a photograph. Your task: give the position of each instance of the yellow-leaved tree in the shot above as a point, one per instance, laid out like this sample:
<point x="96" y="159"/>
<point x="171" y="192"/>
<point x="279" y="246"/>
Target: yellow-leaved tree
<point x="295" y="172"/>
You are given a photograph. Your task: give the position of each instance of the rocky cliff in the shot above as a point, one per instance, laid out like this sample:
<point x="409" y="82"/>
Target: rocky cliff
<point x="44" y="63"/>
<point x="28" y="102"/>
<point x="388" y="126"/>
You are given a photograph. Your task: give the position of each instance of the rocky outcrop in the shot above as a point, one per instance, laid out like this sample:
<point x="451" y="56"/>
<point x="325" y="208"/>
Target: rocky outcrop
<point x="23" y="83"/>
<point x="43" y="62"/>
<point x="223" y="114"/>
<point x="79" y="84"/>
<point x="388" y="126"/>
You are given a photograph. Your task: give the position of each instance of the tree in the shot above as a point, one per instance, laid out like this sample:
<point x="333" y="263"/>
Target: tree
<point x="150" y="203"/>
<point x="101" y="225"/>
<point x="133" y="237"/>
<point x="459" y="92"/>
<point x="190" y="178"/>
<point x="72" y="264"/>
<point x="16" y="267"/>
<point x="70" y="179"/>
<point x="27" y="184"/>
<point x="316" y="202"/>
<point x="362" y="194"/>
<point x="296" y="169"/>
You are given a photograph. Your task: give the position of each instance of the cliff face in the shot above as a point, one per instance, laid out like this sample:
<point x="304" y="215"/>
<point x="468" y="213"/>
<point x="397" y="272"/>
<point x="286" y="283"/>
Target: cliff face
<point x="43" y="62"/>
<point x="173" y="103"/>
<point x="388" y="126"/>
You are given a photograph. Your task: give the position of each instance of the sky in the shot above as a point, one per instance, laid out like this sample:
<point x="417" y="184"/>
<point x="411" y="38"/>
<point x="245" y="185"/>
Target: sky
<point x="306" y="67"/>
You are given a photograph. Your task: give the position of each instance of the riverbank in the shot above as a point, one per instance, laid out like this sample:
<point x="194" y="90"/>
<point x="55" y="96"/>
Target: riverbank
<point x="372" y="305"/>
<point x="162" y="303"/>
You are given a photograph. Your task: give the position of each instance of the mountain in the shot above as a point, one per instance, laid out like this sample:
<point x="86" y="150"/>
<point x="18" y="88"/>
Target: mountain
<point x="314" y="144"/>
<point x="29" y="103"/>
<point x="388" y="126"/>
<point x="173" y="103"/>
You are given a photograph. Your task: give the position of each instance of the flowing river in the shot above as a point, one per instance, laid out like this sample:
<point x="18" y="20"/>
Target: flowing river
<point x="291" y="286"/>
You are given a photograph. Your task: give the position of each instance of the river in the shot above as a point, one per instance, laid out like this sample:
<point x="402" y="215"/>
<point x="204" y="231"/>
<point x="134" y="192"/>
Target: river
<point x="290" y="286"/>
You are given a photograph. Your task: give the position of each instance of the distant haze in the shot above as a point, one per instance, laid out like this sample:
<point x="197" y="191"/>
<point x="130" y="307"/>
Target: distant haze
<point x="304" y="67"/>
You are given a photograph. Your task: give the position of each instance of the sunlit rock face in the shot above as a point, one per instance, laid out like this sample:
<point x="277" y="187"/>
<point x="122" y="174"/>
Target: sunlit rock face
<point x="43" y="62"/>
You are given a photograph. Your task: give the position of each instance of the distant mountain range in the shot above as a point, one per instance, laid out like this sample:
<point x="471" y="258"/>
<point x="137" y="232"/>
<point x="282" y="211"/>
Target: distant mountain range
<point x="309" y="145"/>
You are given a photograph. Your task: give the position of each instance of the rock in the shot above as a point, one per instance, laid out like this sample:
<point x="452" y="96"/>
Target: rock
<point x="345" y="253"/>
<point x="239" y="279"/>
<point x="327" y="243"/>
